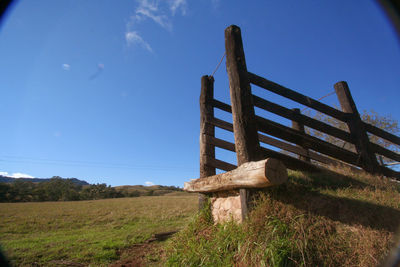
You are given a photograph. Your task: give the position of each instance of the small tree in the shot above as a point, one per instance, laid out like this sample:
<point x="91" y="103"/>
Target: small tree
<point x="386" y="123"/>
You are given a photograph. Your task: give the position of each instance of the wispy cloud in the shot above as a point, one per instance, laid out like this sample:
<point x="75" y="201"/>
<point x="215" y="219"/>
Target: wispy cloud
<point x="133" y="37"/>
<point x="175" y="5"/>
<point x="16" y="175"/>
<point x="149" y="183"/>
<point x="66" y="66"/>
<point x="157" y="11"/>
<point x="151" y="11"/>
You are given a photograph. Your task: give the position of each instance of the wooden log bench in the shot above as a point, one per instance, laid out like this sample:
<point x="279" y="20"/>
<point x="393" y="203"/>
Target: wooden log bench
<point x="223" y="189"/>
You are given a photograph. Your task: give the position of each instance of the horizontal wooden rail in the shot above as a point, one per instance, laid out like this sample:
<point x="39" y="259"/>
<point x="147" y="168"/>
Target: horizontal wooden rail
<point x="307" y="121"/>
<point x="290" y="162"/>
<point x="221" y="124"/>
<point x="277" y="143"/>
<point x="301" y="151"/>
<point x="219" y="164"/>
<point x="295" y="96"/>
<point x="389" y="172"/>
<point x="282" y="145"/>
<point x="270" y="141"/>
<point x="293" y="136"/>
<point x="381" y="133"/>
<point x="221" y="105"/>
<point x="384" y="152"/>
<point x="351" y="157"/>
<point x="221" y="143"/>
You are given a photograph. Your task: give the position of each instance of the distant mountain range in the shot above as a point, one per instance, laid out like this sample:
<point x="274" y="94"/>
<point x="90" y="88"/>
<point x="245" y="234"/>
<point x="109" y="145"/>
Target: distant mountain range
<point x="6" y="179"/>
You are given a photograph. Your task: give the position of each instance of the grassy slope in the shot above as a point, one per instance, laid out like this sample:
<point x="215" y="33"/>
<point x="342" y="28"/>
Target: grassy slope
<point x="313" y="220"/>
<point x="89" y="232"/>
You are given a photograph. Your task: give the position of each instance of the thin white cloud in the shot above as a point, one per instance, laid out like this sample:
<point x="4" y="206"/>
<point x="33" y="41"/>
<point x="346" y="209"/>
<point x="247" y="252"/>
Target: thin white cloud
<point x="175" y="5"/>
<point x="16" y="175"/>
<point x="157" y="11"/>
<point x="132" y="37"/>
<point x="153" y="13"/>
<point x="66" y="66"/>
<point x="149" y="183"/>
<point x="153" y="5"/>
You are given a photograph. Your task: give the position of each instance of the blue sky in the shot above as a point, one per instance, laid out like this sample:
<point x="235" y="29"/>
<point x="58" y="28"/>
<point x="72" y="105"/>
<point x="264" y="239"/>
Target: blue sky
<point x="107" y="91"/>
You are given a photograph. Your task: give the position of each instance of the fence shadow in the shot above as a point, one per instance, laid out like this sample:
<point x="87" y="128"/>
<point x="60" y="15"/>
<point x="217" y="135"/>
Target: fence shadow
<point x="329" y="180"/>
<point x="345" y="210"/>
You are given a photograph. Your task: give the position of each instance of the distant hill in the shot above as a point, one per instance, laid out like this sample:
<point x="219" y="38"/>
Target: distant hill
<point x="72" y="189"/>
<point x="6" y="179"/>
<point x="141" y="190"/>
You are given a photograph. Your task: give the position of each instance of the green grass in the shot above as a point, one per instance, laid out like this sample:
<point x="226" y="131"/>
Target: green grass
<point x="323" y="219"/>
<point x="88" y="232"/>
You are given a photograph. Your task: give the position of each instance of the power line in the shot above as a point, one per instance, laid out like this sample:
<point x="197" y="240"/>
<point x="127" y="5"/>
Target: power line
<point x="27" y="160"/>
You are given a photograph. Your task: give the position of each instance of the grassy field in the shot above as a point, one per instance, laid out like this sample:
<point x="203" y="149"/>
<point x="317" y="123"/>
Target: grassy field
<point x="87" y="232"/>
<point x="323" y="219"/>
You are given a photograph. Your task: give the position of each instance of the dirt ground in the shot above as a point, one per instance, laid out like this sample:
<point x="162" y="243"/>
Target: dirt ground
<point x="145" y="254"/>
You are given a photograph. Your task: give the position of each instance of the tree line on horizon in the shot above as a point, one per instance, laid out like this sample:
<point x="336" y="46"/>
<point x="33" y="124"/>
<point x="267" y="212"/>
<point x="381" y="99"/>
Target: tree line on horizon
<point x="59" y="189"/>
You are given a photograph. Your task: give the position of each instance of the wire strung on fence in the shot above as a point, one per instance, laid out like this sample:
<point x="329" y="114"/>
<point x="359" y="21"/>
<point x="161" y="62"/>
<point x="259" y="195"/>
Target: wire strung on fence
<point x="319" y="99"/>
<point x="219" y="63"/>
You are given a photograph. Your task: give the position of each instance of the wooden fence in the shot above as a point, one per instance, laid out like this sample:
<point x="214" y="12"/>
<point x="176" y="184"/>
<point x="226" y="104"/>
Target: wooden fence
<point x="249" y="129"/>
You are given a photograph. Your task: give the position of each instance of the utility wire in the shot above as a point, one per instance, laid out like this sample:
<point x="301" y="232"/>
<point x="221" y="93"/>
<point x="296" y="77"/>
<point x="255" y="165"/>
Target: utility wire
<point x="16" y="159"/>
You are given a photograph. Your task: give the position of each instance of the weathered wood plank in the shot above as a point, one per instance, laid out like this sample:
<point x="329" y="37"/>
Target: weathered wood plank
<point x="300" y="151"/>
<point x="295" y="96"/>
<point x="381" y="133"/>
<point x="384" y="152"/>
<point x="302" y="119"/>
<point x="293" y="136"/>
<point x="367" y="158"/>
<point x="279" y="144"/>
<point x="221" y="105"/>
<point x="222" y="143"/>
<point x="290" y="162"/>
<point x="222" y="124"/>
<point x="259" y="174"/>
<point x="389" y="172"/>
<point x="282" y="145"/>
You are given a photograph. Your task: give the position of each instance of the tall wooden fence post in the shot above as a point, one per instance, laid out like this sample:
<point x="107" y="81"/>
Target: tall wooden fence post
<point x="367" y="158"/>
<point x="207" y="130"/>
<point x="300" y="127"/>
<point x="244" y="123"/>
